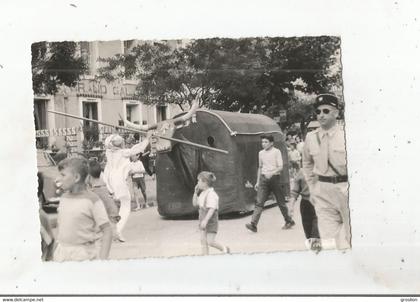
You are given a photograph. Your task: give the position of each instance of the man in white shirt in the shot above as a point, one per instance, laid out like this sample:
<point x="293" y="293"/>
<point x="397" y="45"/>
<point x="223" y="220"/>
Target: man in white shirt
<point x="116" y="174"/>
<point x="268" y="181"/>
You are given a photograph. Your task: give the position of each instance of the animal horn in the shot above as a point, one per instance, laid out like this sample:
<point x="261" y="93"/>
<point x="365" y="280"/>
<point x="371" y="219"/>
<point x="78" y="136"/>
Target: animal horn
<point x="138" y="127"/>
<point x="189" y="114"/>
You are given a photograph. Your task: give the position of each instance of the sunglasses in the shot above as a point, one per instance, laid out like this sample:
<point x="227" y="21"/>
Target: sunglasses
<point x="325" y="111"/>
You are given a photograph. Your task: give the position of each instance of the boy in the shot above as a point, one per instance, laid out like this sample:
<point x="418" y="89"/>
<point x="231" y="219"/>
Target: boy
<point x="98" y="187"/>
<point x="270" y="165"/>
<point x="207" y="201"/>
<point x="137" y="174"/>
<point x="294" y="159"/>
<point x="80" y="214"/>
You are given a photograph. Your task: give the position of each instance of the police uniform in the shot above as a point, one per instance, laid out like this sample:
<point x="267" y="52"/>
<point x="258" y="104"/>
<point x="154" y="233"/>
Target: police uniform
<point x="325" y="170"/>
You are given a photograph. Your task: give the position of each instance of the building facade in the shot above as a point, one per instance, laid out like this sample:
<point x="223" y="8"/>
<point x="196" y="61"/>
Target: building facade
<point x="94" y="99"/>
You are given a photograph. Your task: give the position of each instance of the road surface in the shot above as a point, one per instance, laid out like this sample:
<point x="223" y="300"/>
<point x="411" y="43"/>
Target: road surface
<point x="148" y="234"/>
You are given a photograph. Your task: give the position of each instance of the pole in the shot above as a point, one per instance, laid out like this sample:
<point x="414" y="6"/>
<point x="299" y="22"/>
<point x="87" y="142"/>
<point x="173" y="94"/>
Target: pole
<point x="139" y="131"/>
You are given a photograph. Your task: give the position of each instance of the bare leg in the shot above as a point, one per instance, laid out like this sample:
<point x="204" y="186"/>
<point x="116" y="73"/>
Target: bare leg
<point x="136" y="194"/>
<point x="142" y="187"/>
<point x="204" y="246"/>
<point x="211" y="241"/>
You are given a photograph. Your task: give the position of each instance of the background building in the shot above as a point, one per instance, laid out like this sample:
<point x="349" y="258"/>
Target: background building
<point x="95" y="99"/>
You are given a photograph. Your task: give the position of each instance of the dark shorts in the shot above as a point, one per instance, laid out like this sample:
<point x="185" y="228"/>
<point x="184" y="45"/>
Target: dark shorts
<point x="140" y="183"/>
<point x="213" y="224"/>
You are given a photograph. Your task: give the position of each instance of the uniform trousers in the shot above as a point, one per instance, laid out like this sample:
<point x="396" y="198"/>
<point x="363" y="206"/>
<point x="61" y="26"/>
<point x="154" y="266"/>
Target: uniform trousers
<point x="332" y="209"/>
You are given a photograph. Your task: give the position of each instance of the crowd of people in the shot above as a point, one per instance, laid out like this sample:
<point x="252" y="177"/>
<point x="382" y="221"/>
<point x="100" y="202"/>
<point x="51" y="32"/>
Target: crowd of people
<point x="95" y="206"/>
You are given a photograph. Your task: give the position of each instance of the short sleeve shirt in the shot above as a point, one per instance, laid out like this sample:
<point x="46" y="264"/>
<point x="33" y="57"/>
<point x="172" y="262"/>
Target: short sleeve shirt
<point x="137" y="169"/>
<point x="208" y="199"/>
<point x="336" y="152"/>
<point x="79" y="218"/>
<point x="294" y="155"/>
<point x="270" y="160"/>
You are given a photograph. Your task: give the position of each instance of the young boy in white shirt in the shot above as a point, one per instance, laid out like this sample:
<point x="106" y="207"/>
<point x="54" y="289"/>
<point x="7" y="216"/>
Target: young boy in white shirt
<point x="268" y="181"/>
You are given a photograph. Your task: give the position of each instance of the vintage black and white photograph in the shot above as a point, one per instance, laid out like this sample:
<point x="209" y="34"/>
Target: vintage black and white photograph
<point x="238" y="148"/>
<point x="162" y="148"/>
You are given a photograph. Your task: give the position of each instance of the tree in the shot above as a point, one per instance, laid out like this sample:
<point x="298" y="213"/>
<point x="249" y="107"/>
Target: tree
<point x="165" y="74"/>
<point x="55" y="64"/>
<point x="259" y="75"/>
<point x="233" y="68"/>
<point x="297" y="70"/>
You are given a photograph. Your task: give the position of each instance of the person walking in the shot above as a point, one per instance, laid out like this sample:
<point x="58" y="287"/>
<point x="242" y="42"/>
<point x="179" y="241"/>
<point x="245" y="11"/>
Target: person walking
<point x="325" y="170"/>
<point x="207" y="201"/>
<point x="268" y="181"/>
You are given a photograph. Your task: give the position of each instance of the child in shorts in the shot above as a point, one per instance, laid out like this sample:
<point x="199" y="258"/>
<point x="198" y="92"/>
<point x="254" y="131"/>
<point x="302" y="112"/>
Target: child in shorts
<point x="207" y="201"/>
<point x="294" y="159"/>
<point x="137" y="175"/>
<point x="81" y="214"/>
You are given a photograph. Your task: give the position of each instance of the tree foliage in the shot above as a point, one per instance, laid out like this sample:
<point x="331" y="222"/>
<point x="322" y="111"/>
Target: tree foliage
<point x="260" y="75"/>
<point x="55" y="64"/>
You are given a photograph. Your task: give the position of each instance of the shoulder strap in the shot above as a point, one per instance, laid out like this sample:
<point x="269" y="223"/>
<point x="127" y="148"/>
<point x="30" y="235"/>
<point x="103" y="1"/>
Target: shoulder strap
<point x="333" y="168"/>
<point x="329" y="163"/>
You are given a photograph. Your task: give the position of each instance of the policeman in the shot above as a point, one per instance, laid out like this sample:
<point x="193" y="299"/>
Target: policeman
<point x="325" y="170"/>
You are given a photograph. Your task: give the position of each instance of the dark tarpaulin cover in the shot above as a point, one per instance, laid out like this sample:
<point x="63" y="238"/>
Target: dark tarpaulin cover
<point x="236" y="173"/>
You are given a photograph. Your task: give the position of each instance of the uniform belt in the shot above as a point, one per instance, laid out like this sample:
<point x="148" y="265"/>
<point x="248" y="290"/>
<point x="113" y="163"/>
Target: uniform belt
<point x="333" y="179"/>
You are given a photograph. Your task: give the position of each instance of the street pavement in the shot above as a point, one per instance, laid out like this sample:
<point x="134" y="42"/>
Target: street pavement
<point x="148" y="234"/>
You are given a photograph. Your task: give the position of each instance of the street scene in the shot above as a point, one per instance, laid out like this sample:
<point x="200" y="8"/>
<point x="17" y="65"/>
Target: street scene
<point x="190" y="147"/>
<point x="150" y="235"/>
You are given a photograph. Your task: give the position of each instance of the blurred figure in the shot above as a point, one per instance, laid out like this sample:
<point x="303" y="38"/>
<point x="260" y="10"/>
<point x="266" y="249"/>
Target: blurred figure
<point x="294" y="159"/>
<point x="47" y="236"/>
<point x="307" y="211"/>
<point x="98" y="186"/>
